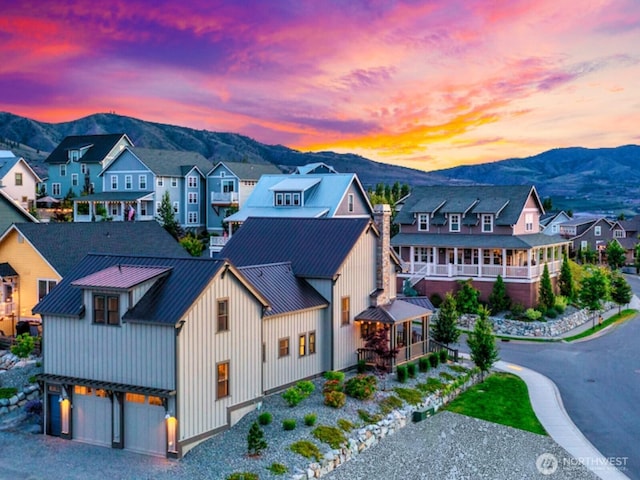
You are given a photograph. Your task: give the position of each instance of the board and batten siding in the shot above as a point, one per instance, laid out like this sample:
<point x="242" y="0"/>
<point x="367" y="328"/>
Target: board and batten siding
<point x="281" y="371"/>
<point x="201" y="348"/>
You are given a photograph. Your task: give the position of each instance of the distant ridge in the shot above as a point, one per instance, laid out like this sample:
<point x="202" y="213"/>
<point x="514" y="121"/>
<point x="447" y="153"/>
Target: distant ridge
<point x="601" y="180"/>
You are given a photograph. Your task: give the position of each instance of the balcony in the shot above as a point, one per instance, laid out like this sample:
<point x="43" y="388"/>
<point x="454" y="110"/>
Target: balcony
<point x="224" y="198"/>
<point x="217" y="243"/>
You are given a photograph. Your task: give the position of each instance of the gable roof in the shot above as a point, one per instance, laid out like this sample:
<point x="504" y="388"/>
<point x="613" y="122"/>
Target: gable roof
<point x="171" y="163"/>
<point x="249" y="171"/>
<point x="9" y="205"/>
<point x="316" y="247"/>
<point x="283" y="290"/>
<point x="120" y="277"/>
<point x="323" y="195"/>
<point x="394" y="312"/>
<point x="7" y="163"/>
<point x="505" y="202"/>
<point x="318" y="167"/>
<point x="100" y="145"/>
<point x="133" y="238"/>
<point x="551" y="217"/>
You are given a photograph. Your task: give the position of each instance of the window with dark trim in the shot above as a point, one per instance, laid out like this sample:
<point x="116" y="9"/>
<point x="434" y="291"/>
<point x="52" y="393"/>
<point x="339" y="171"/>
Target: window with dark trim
<point x="345" y="310"/>
<point x="312" y="343"/>
<point x="106" y="309"/>
<point x="302" y="345"/>
<point x="222" y="379"/>
<point x="283" y="347"/>
<point x="223" y="315"/>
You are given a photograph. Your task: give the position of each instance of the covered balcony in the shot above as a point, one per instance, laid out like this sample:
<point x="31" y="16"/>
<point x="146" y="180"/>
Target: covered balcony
<point x="224" y="198"/>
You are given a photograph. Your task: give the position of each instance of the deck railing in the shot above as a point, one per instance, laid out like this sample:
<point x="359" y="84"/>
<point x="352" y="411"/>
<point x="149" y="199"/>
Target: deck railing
<point x="420" y="270"/>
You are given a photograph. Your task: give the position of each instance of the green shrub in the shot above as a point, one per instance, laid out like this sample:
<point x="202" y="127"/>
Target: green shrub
<point x="362" y="366"/>
<point x="277" y="468"/>
<point x="552" y="313"/>
<point x="332" y="375"/>
<point x="458" y="368"/>
<point x="447" y="376"/>
<point x="307" y="449"/>
<point x="409" y="395"/>
<point x="310" y="419"/>
<point x="243" y="476"/>
<point x="431" y="386"/>
<point x="443" y="356"/>
<point x="294" y="395"/>
<point x="345" y="424"/>
<point x="434" y="360"/>
<point x="306" y="387"/>
<point x="402" y="373"/>
<point x="289" y="423"/>
<point x="532" y="315"/>
<point x="255" y="440"/>
<point x="389" y="404"/>
<point x="335" y="399"/>
<point x="8" y="392"/>
<point x="265" y="418"/>
<point x="24" y="345"/>
<point x="33" y="379"/>
<point x="436" y="300"/>
<point x="517" y="310"/>
<point x="412" y="369"/>
<point x="561" y="304"/>
<point x="332" y="386"/>
<point x="332" y="436"/>
<point x="423" y="364"/>
<point x="361" y="387"/>
<point x="368" y="417"/>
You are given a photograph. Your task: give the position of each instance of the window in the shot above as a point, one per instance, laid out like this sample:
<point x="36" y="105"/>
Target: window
<point x="367" y="329"/>
<point x="18" y="179"/>
<point x="192" y="217"/>
<point x="193" y="197"/>
<point x="83" y="168"/>
<point x="487" y="223"/>
<point x="55" y="189"/>
<point x="279" y="199"/>
<point x="128" y="182"/>
<point x="423" y="222"/>
<point x="174" y="182"/>
<point x="312" y="343"/>
<point x="584" y="245"/>
<point x="302" y="345"/>
<point x="287" y="199"/>
<point x="192" y="181"/>
<point x="423" y="254"/>
<point x="296" y="199"/>
<point x="114" y="182"/>
<point x="283" y="347"/>
<point x="176" y="207"/>
<point x="350" y="202"/>
<point x="618" y="234"/>
<point x="227" y="186"/>
<point x="106" y="309"/>
<point x="74" y="155"/>
<point x="134" y="398"/>
<point x="82" y="390"/>
<point x="160" y="182"/>
<point x="597" y="230"/>
<point x="222" y="379"/>
<point x="156" y="401"/>
<point x="74" y="179"/>
<point x="223" y="315"/>
<point x="63" y="170"/>
<point x="454" y="222"/>
<point x="114" y="209"/>
<point x="528" y="222"/>
<point x="345" y="310"/>
<point x="44" y="287"/>
<point x="142" y="182"/>
<point x="143" y="209"/>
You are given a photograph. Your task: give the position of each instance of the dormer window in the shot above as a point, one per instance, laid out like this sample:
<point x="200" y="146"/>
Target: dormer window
<point x="106" y="309"/>
<point x="423" y="222"/>
<point x="487" y="223"/>
<point x="454" y="222"/>
<point x="288" y="199"/>
<point x="74" y="155"/>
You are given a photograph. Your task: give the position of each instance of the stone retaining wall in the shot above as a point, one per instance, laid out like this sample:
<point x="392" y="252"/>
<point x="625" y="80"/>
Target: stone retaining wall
<point x="9" y="405"/>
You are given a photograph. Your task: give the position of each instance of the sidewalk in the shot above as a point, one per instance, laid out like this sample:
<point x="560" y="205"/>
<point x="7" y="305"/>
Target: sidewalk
<point x="548" y="407"/>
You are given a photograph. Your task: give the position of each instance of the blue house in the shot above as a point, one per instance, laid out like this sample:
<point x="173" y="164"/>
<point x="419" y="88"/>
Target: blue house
<point x="138" y="178"/>
<point x="77" y="161"/>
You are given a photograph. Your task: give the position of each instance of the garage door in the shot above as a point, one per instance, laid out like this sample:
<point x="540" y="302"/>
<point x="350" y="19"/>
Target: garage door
<point x="144" y="424"/>
<point x="91" y="416"/>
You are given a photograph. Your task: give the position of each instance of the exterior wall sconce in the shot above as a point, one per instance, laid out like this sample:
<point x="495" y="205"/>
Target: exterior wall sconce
<point x="172" y="429"/>
<point x="65" y="412"/>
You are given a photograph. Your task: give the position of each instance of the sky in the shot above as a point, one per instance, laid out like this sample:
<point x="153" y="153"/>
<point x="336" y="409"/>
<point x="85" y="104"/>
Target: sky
<point x="425" y="84"/>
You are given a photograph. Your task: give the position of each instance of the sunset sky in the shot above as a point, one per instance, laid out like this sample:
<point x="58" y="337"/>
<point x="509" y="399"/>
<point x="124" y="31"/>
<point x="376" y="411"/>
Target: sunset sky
<point x="424" y="84"/>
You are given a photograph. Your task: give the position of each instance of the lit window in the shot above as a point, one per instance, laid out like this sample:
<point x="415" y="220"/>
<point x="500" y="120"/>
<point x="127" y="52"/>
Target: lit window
<point x="223" y="315"/>
<point x="134" y="398"/>
<point x="223" y="379"/>
<point x="302" y="345"/>
<point x="106" y="309"/>
<point x="312" y="343"/>
<point x="283" y="347"/>
<point x="345" y="310"/>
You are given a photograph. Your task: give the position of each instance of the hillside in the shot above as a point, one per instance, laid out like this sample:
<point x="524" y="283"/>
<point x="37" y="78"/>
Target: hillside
<point x="605" y="180"/>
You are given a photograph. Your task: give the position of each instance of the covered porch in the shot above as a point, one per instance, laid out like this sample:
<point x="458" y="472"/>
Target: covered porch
<point x="114" y="206"/>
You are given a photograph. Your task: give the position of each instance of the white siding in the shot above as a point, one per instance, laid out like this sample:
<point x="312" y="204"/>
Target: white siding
<point x="201" y="348"/>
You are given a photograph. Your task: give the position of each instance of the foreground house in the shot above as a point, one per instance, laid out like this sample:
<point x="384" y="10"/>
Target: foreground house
<point x="447" y="234"/>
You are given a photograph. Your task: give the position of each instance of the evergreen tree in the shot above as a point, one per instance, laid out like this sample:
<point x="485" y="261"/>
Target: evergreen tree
<point x="616" y="257"/>
<point x="565" y="282"/>
<point x="482" y="342"/>
<point x="499" y="301"/>
<point x="167" y="218"/>
<point x="620" y="290"/>
<point x="467" y="297"/>
<point x="255" y="440"/>
<point x="547" y="298"/>
<point x="445" y="327"/>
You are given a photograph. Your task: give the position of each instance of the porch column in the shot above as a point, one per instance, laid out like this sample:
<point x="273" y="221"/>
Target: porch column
<point x="480" y="261"/>
<point x="434" y="258"/>
<point x="411" y="259"/>
<point x="529" y="263"/>
<point x="504" y="263"/>
<point x="455" y="260"/>
<point x="122" y="212"/>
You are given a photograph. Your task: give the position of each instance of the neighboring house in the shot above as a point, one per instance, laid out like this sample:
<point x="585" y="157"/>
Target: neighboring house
<point x="447" y="234"/>
<point x="588" y="234"/>
<point x="550" y="222"/>
<point x="41" y="254"/>
<point x="139" y="177"/>
<point x="75" y="163"/>
<point x="314" y="168"/>
<point x="18" y="180"/>
<point x="229" y="184"/>
<point x="627" y="233"/>
<point x="11" y="212"/>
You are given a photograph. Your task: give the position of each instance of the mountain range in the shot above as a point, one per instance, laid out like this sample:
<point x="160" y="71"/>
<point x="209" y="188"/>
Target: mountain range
<point x="601" y="180"/>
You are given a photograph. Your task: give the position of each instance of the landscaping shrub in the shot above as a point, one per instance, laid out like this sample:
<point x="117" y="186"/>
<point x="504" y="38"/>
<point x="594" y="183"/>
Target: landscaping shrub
<point x="310" y="419"/>
<point x="409" y="395"/>
<point x="307" y="449"/>
<point x="434" y="361"/>
<point x="306" y="387"/>
<point x="532" y="315"/>
<point x="458" y="368"/>
<point x="8" y="392"/>
<point x="362" y="366"/>
<point x="443" y="356"/>
<point x="368" y="417"/>
<point x="332" y="386"/>
<point x="402" y="373"/>
<point x="361" y="387"/>
<point x="243" y="476"/>
<point x="552" y="313"/>
<point x="289" y="424"/>
<point x="436" y="300"/>
<point x="447" y="376"/>
<point x="33" y="407"/>
<point x="265" y="418"/>
<point x="332" y="436"/>
<point x="431" y="386"/>
<point x="277" y="468"/>
<point x="412" y="369"/>
<point x="331" y="375"/>
<point x="255" y="440"/>
<point x="423" y="364"/>
<point x="561" y="304"/>
<point x="390" y="403"/>
<point x="294" y="395"/>
<point x="517" y="310"/>
<point x="345" y="424"/>
<point x="335" y="399"/>
<point x="24" y="345"/>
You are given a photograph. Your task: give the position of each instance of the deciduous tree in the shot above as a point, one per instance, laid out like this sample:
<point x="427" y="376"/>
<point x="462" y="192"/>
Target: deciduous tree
<point x="620" y="290"/>
<point x="616" y="257"/>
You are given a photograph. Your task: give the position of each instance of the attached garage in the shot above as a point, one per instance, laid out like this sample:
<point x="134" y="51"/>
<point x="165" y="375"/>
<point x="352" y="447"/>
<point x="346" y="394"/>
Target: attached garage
<point x="91" y="415"/>
<point x="145" y="428"/>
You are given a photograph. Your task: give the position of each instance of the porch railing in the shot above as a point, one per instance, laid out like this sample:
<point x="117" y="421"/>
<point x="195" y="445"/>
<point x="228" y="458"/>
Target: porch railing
<point x="437" y="346"/>
<point x="224" y="197"/>
<point x="419" y="270"/>
<point x="405" y="354"/>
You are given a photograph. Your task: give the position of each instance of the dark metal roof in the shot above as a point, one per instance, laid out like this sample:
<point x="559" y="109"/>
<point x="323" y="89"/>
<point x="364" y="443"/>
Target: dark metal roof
<point x="423" y="302"/>
<point x="120" y="277"/>
<point x="462" y="240"/>
<point x="316" y="247"/>
<point x="6" y="270"/>
<point x="250" y="171"/>
<point x="100" y="146"/>
<point x="164" y="303"/>
<point x="116" y="387"/>
<point x="283" y="290"/>
<point x="397" y="311"/>
<point x="64" y="244"/>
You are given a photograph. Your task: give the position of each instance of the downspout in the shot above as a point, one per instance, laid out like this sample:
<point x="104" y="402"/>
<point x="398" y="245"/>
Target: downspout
<point x="334" y="280"/>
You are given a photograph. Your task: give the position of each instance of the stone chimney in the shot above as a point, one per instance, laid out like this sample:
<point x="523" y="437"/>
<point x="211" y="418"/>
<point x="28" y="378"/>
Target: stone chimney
<point x="382" y="219"/>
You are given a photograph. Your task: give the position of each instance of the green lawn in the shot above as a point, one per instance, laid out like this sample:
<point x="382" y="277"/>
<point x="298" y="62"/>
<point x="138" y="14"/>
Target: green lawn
<point x="623" y="316"/>
<point x="502" y="398"/>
